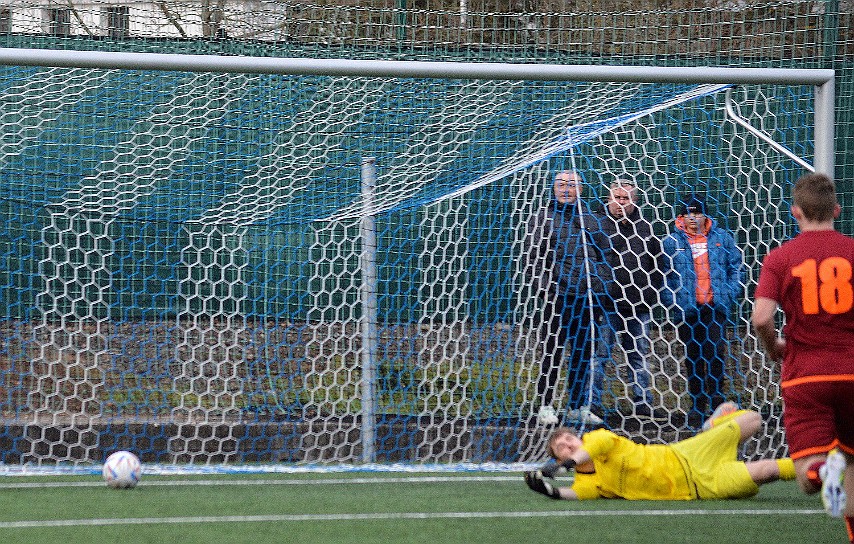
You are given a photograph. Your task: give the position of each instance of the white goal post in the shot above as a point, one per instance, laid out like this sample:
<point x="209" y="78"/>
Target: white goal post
<point x="202" y="293"/>
<point x="822" y="79"/>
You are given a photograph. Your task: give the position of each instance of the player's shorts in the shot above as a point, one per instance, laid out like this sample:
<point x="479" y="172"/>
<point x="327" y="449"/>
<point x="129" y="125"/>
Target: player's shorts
<point x="818" y="414"/>
<point x="711" y="461"/>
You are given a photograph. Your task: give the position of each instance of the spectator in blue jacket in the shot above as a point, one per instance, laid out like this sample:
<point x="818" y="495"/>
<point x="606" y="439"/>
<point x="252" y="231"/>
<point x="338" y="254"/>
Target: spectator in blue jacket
<point x="567" y="272"/>
<point x="702" y="287"/>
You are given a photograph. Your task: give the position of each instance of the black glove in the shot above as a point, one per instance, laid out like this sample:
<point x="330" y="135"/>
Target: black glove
<point x="553" y="469"/>
<point x="535" y="481"/>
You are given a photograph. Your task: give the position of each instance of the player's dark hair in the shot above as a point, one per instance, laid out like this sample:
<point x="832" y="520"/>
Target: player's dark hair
<point x="815" y="195"/>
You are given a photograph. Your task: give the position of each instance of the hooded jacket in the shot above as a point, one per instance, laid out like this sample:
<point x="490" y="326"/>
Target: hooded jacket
<point x="725" y="264"/>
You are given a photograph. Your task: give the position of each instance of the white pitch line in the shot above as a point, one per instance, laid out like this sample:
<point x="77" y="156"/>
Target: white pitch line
<point x="224" y="482"/>
<point x="393" y="516"/>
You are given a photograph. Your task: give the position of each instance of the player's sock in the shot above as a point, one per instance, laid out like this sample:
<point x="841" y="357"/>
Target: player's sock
<point x="813" y="474"/>
<point x="787" y="468"/>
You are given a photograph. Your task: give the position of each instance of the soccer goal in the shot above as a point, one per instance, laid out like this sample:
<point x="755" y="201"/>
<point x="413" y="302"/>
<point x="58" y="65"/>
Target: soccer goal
<point x="256" y="260"/>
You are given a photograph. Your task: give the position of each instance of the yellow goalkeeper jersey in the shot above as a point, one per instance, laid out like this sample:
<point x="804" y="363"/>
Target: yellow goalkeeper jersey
<point x="624" y="469"/>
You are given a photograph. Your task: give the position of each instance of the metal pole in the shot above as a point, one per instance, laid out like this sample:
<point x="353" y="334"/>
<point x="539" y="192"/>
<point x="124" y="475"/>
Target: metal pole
<point x="824" y="128"/>
<point x="368" y="265"/>
<point x="401" y="21"/>
<point x="401" y="68"/>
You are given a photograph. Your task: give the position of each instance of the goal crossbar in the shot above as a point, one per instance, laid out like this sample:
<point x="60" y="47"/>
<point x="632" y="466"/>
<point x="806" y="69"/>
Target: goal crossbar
<point x="822" y="79"/>
<point x="413" y="69"/>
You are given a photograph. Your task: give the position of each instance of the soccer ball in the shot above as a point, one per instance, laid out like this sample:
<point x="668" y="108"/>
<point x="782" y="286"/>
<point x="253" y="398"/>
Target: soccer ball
<point x="122" y="470"/>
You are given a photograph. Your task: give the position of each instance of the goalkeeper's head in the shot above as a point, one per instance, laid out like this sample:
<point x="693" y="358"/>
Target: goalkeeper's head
<point x="563" y="443"/>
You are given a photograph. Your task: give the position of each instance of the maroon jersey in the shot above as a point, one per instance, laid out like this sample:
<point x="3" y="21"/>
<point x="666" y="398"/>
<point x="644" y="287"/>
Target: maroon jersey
<point x="811" y="277"/>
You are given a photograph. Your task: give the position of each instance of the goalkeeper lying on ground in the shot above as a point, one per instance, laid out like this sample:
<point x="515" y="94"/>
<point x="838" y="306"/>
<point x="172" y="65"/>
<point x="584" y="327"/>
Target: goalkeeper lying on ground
<point x="705" y="466"/>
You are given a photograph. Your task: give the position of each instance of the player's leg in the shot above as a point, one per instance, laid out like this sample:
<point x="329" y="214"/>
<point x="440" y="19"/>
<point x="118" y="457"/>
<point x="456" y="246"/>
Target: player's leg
<point x="819" y="416"/>
<point x="707" y="452"/>
<point x="818" y="419"/>
<point x="846" y="446"/>
<point x="770" y="470"/>
<point x="849" y="490"/>
<point x="809" y="471"/>
<point x="712" y="456"/>
<point x="749" y="422"/>
<point x="724" y="439"/>
<point x="845" y="429"/>
<point x="725" y="411"/>
<point x="849" y="483"/>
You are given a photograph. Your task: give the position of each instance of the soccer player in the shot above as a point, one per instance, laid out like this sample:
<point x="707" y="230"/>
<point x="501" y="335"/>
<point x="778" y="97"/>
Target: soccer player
<point x="704" y="466"/>
<point x="810" y="277"/>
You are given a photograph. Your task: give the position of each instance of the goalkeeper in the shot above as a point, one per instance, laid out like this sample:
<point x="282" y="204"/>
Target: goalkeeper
<point x="705" y="466"/>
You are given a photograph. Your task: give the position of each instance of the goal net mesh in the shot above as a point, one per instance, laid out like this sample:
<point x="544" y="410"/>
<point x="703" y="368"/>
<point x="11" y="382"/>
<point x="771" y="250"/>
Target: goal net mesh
<point x="181" y="258"/>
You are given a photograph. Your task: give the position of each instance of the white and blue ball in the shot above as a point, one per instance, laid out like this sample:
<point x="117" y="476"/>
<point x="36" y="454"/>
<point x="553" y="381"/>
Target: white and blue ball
<point x="122" y="470"/>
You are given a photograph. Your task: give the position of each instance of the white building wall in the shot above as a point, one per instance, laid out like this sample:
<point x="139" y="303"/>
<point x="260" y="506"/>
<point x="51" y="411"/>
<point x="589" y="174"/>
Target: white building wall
<point x="170" y="19"/>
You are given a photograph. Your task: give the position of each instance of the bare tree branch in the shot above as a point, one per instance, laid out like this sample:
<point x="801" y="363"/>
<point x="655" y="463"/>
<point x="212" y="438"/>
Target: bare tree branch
<point x="171" y="18"/>
<point x="79" y="18"/>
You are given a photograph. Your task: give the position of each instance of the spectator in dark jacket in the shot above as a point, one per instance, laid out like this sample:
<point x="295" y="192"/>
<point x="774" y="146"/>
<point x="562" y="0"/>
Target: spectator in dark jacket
<point x="635" y="260"/>
<point x="565" y="270"/>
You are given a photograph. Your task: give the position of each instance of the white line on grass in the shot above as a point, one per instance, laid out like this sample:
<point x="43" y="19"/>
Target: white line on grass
<point x="394" y="516"/>
<point x="319" y="481"/>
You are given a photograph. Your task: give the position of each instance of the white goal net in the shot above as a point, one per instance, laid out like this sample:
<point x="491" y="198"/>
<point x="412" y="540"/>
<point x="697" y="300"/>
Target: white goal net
<point x="215" y="267"/>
